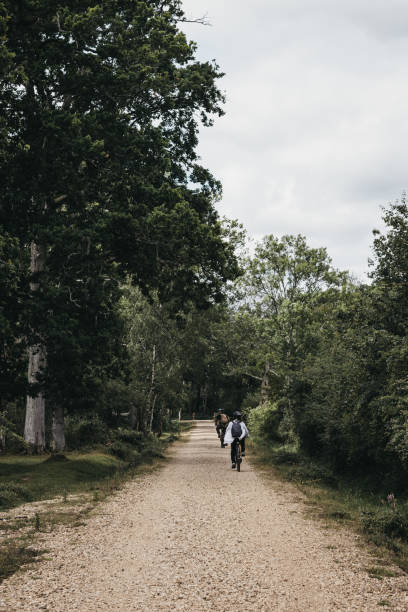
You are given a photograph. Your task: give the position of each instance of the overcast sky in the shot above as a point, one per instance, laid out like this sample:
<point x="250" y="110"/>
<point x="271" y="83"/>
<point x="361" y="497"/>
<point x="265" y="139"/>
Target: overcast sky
<point x="315" y="135"/>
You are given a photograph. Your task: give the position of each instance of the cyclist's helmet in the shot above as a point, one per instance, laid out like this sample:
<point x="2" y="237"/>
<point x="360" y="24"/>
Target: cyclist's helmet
<point x="237" y="414"/>
<point x="219" y="410"/>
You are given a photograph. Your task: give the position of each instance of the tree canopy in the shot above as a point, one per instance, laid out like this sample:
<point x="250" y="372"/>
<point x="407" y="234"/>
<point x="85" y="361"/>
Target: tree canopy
<point x="101" y="105"/>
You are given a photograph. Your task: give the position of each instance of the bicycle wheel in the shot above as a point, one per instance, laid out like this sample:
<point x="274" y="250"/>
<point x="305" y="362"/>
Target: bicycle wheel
<point x="238" y="457"/>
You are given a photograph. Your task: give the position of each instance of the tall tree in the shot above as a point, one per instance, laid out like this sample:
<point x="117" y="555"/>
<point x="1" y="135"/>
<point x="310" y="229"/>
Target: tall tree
<point x="282" y="279"/>
<point x="99" y="176"/>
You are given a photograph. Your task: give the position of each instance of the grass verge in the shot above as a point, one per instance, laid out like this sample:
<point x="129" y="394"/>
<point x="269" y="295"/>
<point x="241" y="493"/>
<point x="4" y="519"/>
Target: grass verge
<point x="14" y="555"/>
<point x="75" y="483"/>
<point x="374" y="513"/>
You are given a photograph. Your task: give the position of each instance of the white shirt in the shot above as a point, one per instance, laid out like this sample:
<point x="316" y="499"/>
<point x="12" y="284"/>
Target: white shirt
<point x="228" y="439"/>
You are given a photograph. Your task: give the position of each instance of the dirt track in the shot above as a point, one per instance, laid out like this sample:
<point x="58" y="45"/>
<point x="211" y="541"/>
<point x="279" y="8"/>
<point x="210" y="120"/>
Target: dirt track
<point x="198" y="536"/>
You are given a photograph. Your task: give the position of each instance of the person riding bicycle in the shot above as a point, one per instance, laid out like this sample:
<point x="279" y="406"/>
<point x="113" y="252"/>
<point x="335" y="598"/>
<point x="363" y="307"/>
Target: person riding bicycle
<point x="236" y="433"/>
<point x="221" y="421"/>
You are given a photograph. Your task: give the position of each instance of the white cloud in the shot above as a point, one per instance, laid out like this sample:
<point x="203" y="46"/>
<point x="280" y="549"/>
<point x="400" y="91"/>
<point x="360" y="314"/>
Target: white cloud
<point x="314" y="137"/>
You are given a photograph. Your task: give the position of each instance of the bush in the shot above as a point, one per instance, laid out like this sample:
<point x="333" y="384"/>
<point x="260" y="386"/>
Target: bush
<point x="173" y="426"/>
<point x="152" y="453"/>
<point x="15" y="444"/>
<point x="392" y="523"/>
<point x="129" y="436"/>
<point x="84" y="431"/>
<point x="264" y="421"/>
<point x="152" y="447"/>
<point x="124" y="451"/>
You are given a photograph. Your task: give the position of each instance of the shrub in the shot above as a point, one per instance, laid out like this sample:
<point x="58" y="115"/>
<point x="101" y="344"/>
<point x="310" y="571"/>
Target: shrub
<point x="15" y="443"/>
<point x="152" y="447"/>
<point x="264" y="421"/>
<point x="152" y="452"/>
<point x="392" y="523"/>
<point x="129" y="436"/>
<point x="124" y="451"/>
<point x="173" y="426"/>
<point x="84" y="431"/>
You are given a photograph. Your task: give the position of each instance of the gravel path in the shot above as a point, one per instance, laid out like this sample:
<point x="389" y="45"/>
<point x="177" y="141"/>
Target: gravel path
<point x="198" y="536"/>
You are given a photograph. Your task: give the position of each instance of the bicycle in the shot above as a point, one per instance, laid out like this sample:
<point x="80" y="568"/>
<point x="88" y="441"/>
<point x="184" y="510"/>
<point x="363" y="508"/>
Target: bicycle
<point x="221" y="433"/>
<point x="238" y="455"/>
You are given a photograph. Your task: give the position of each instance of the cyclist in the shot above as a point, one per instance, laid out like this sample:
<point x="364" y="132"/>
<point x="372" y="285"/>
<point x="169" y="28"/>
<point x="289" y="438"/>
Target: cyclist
<point x="236" y="433"/>
<point x="221" y="421"/>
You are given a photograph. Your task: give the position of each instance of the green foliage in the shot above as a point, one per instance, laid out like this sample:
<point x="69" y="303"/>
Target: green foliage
<point x="135" y="447"/>
<point x="100" y="108"/>
<point x="334" y="356"/>
<point x="129" y="436"/>
<point x="15" y="443"/>
<point x="12" y="494"/>
<point x="83" y="431"/>
<point x="264" y="421"/>
<point x="13" y="311"/>
<point x="124" y="452"/>
<point x="388" y="522"/>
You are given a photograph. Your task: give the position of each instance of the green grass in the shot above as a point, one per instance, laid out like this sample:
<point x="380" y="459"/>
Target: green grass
<point x="14" y="555"/>
<point x="346" y="501"/>
<point x="380" y="572"/>
<point x="26" y="478"/>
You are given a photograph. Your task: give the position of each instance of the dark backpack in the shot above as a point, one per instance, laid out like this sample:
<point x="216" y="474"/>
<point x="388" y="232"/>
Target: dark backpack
<point x="236" y="429"/>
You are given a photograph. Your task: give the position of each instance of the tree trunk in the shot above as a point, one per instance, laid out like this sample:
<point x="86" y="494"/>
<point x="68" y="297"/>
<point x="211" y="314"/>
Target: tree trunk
<point x="58" y="435"/>
<point x="34" y="430"/>
<point x="152" y="413"/>
<point x="198" y="399"/>
<point x="160" y="420"/>
<point x="152" y="396"/>
<point x="265" y="383"/>
<point x="204" y="396"/>
<point x="133" y="417"/>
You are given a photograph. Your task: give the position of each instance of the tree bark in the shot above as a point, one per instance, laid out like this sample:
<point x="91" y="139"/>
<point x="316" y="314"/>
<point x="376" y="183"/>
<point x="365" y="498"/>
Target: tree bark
<point x="133" y="417"/>
<point x="198" y="399"/>
<point x="265" y="383"/>
<point x="152" y="413"/>
<point x="160" y="420"/>
<point x="34" y="430"/>
<point x="152" y="396"/>
<point x="204" y="396"/>
<point x="58" y="435"/>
